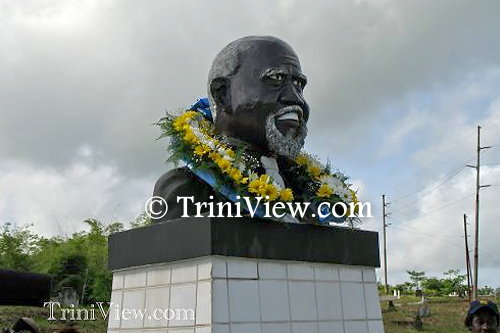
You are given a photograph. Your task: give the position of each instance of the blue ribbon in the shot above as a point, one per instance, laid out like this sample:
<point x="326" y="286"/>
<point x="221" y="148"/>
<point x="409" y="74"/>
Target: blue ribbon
<point x="208" y="177"/>
<point x="324" y="211"/>
<point x="202" y="106"/>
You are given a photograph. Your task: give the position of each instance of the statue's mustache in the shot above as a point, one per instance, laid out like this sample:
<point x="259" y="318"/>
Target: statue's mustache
<point x="290" y="110"/>
<point x="282" y="144"/>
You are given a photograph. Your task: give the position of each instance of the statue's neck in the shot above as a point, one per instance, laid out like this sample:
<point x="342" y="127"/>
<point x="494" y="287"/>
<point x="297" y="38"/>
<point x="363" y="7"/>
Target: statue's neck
<point x="238" y="143"/>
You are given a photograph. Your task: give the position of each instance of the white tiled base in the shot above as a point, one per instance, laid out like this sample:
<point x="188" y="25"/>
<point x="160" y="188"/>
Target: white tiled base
<point x="239" y="295"/>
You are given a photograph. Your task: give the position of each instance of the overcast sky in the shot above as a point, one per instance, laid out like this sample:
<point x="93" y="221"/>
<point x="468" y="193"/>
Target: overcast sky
<point x="396" y="89"/>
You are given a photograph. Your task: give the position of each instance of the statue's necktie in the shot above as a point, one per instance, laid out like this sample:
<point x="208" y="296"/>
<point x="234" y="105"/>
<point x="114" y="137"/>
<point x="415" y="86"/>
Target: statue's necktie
<point x="272" y="169"/>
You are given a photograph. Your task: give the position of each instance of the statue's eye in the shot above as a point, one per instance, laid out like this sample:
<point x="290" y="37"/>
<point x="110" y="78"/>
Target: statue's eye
<point x="278" y="77"/>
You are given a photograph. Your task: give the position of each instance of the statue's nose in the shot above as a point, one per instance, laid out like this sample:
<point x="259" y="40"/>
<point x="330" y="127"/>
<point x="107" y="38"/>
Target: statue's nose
<point x="292" y="95"/>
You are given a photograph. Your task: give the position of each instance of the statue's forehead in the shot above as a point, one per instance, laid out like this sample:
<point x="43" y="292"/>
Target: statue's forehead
<point x="270" y="55"/>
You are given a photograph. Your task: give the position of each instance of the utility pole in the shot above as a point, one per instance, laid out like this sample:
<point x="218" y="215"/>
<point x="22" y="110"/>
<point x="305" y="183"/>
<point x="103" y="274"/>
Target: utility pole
<point x="475" y="284"/>
<point x="467" y="260"/>
<point x="384" y="215"/>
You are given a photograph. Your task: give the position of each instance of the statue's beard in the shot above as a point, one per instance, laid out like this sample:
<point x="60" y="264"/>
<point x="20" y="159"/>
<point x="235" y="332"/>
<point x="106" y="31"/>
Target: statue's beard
<point x="289" y="144"/>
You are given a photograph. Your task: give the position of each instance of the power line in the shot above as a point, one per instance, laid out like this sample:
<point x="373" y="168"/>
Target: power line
<point x="431" y="190"/>
<point x="417" y="232"/>
<point x="418" y="217"/>
<point x="491" y="253"/>
<point x="493" y="258"/>
<point x="447" y="148"/>
<point x="408" y="215"/>
<point x="445" y="206"/>
<point x="424" y="187"/>
<point x="441" y="234"/>
<point x="446" y="178"/>
<point x="398" y="211"/>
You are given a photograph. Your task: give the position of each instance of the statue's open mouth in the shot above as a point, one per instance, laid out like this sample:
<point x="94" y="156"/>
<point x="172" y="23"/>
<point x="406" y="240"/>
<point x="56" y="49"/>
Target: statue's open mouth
<point x="288" y="120"/>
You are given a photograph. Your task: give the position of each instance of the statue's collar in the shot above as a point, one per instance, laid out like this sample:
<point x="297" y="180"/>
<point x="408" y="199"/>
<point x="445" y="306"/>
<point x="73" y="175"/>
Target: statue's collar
<point x="270" y="165"/>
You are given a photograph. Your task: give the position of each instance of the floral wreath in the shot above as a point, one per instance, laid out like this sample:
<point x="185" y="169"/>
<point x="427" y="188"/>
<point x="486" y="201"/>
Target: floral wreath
<point x="233" y="171"/>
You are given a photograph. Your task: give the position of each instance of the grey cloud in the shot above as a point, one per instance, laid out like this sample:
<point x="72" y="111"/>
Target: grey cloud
<point x="105" y="76"/>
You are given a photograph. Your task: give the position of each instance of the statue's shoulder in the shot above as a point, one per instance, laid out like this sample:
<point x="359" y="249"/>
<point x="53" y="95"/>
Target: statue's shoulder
<point x="180" y="182"/>
<point x="175" y="179"/>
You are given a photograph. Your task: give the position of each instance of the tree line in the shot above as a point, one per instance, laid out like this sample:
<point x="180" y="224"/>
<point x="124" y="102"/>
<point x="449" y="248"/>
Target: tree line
<point x="78" y="261"/>
<point x="451" y="283"/>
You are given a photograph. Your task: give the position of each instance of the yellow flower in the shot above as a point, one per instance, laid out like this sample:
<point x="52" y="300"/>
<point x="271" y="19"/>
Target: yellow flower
<point x="179" y="125"/>
<point x="223" y="164"/>
<point x="186" y="116"/>
<point x="324" y="191"/>
<point x="354" y="201"/>
<point x="286" y="194"/>
<point x="189" y="115"/>
<point x="230" y="152"/>
<point x="244" y="180"/>
<point x="205" y="128"/>
<point x="235" y="174"/>
<point x="270" y="191"/>
<point x="254" y="186"/>
<point x="190" y="137"/>
<point x="302" y="160"/>
<point x="201" y="150"/>
<point x="262" y="188"/>
<point x="184" y="128"/>
<point x="354" y="196"/>
<point x="314" y="170"/>
<point x="214" y="156"/>
<point x="264" y="178"/>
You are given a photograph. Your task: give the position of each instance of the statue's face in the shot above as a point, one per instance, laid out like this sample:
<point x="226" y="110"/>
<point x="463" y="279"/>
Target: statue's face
<point x="266" y="107"/>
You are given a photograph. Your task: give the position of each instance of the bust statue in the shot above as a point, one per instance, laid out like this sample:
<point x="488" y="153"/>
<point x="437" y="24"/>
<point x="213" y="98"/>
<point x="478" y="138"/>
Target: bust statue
<point x="255" y="89"/>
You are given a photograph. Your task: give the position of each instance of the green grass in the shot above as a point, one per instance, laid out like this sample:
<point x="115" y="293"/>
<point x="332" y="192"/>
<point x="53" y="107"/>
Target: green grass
<point x="447" y="316"/>
<point x="9" y="315"/>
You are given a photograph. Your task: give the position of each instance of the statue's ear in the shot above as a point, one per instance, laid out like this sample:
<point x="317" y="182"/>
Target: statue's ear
<point x="219" y="88"/>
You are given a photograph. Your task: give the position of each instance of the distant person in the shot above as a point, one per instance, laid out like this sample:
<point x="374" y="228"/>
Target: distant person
<point x="482" y="317"/>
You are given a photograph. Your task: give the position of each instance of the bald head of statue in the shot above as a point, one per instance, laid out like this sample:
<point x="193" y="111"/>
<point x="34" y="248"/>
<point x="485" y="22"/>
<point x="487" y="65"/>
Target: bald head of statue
<point x="255" y="90"/>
